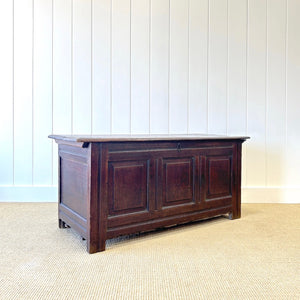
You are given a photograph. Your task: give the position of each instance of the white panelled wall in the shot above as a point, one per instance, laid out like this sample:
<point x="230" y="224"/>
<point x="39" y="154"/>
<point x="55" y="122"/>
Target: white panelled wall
<point x="150" y="66"/>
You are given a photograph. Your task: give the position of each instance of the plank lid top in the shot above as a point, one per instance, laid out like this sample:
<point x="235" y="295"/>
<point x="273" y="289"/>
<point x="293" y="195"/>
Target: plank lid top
<point x="142" y="137"/>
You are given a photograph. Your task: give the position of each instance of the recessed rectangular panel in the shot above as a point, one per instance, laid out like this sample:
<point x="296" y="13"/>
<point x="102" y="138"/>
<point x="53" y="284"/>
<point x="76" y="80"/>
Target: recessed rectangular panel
<point x="179" y="175"/>
<point x="219" y="177"/>
<point x="128" y="185"/>
<point x="74" y="185"/>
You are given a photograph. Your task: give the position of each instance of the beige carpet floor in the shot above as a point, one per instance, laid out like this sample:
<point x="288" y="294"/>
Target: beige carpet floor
<point x="255" y="257"/>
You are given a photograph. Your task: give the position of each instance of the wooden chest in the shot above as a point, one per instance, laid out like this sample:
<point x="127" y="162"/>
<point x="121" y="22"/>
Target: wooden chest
<point x="116" y="185"/>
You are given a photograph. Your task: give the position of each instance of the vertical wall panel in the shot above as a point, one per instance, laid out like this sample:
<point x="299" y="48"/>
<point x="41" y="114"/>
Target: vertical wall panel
<point x="292" y="173"/>
<point x="237" y="72"/>
<point x="101" y="83"/>
<point x="140" y="46"/>
<point x="179" y="57"/>
<point x="217" y="61"/>
<point x="62" y="66"/>
<point x="276" y="92"/>
<point x="159" y="66"/>
<point x="198" y="34"/>
<point x="256" y="154"/>
<point x="82" y="68"/>
<point x="121" y="62"/>
<point x="23" y="60"/>
<point x="62" y="73"/>
<point x="6" y="83"/>
<point x="42" y="93"/>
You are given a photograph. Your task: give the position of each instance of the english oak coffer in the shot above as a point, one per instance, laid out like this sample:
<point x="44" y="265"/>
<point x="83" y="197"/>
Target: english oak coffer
<point x="115" y="185"/>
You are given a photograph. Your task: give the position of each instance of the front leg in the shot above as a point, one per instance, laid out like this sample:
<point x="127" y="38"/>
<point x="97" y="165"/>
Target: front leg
<point x="234" y="215"/>
<point x="62" y="224"/>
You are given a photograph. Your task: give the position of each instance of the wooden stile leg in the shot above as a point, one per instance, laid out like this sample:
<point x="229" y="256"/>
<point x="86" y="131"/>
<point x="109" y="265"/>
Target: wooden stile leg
<point x="234" y="215"/>
<point x="92" y="248"/>
<point x="61" y="224"/>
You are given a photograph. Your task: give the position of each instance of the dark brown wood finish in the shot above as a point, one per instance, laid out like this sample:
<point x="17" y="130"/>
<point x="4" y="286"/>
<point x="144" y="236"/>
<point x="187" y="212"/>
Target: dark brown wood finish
<point x="116" y="185"/>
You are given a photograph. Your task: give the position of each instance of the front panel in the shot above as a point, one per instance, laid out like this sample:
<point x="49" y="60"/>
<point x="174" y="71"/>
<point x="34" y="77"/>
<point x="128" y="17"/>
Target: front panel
<point x="219" y="178"/>
<point x="178" y="181"/>
<point x="219" y="175"/>
<point x="128" y="187"/>
<point x="167" y="182"/>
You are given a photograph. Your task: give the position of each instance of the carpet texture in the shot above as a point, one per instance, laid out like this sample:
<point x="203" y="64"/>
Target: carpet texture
<point x="255" y="257"/>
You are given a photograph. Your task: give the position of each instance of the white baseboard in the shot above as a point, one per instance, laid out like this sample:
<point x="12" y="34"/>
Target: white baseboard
<point x="49" y="194"/>
<point x="270" y="195"/>
<point x="28" y="193"/>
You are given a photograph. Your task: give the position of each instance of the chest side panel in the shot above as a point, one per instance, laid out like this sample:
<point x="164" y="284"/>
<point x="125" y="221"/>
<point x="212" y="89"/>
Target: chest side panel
<point x="74" y="186"/>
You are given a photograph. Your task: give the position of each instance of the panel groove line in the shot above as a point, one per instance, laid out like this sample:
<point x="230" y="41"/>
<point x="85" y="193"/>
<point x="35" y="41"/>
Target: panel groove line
<point x="286" y="77"/>
<point x="266" y="93"/>
<point x="92" y="66"/>
<point x="13" y="91"/>
<point x="52" y="89"/>
<point x="207" y="70"/>
<point x="149" y="73"/>
<point x="72" y="66"/>
<point x="32" y="93"/>
<point x="169" y="50"/>
<point x="110" y="66"/>
<point x="130" y="66"/>
<point x="227" y="69"/>
<point x="188" y="69"/>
